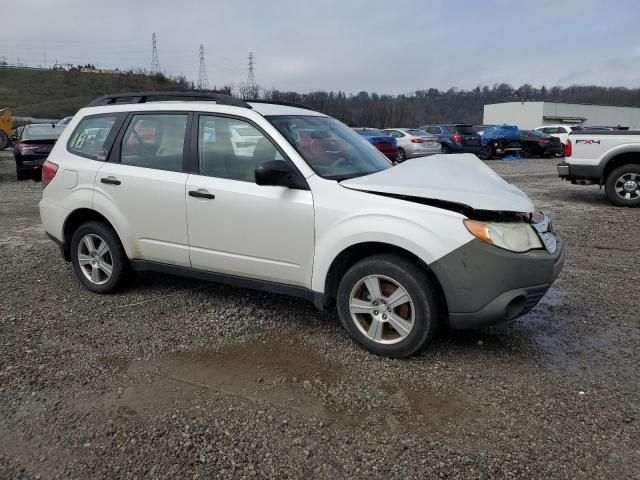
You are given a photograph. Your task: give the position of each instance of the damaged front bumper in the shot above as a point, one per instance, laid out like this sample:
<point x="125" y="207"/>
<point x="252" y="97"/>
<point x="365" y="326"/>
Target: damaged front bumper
<point x="485" y="285"/>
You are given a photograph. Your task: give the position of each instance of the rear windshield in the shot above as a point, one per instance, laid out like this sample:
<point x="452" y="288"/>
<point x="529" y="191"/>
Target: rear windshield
<point x="41" y="132"/>
<point x="421" y="133"/>
<point x="465" y="130"/>
<point x="369" y="131"/>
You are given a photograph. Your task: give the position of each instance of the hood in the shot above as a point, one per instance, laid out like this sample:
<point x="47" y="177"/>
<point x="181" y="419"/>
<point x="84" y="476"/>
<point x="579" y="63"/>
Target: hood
<point x="463" y="179"/>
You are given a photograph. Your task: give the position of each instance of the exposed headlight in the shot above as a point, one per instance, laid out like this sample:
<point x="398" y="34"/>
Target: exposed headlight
<point x="514" y="236"/>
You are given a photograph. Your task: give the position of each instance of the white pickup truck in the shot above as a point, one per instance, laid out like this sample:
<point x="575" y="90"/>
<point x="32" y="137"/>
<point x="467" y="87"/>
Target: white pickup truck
<point x="609" y="158"/>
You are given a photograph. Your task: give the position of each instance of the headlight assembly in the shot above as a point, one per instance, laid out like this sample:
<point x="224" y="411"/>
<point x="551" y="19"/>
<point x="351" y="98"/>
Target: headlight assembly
<point x="514" y="236"/>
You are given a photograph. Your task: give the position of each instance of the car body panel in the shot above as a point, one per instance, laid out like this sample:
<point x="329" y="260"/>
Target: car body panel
<point x="461" y="179"/>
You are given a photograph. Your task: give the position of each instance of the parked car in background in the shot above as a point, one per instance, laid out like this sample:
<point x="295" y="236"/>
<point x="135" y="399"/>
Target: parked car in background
<point x="559" y="131"/>
<point x="386" y="144"/>
<point x="536" y="143"/>
<point x="455" y="137"/>
<point x="32" y="146"/>
<point x="500" y="141"/>
<point x="414" y="143"/>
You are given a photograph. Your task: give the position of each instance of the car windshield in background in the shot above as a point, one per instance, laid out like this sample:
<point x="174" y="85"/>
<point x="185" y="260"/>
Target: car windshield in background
<point x="465" y="130"/>
<point x="540" y="133"/>
<point x="369" y="131"/>
<point x="41" y="132"/>
<point x="418" y="133"/>
<point x="333" y="150"/>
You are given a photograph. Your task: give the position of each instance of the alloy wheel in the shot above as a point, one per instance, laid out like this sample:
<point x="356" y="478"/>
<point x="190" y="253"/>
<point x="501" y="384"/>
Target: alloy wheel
<point x="94" y="258"/>
<point x="382" y="309"/>
<point x="627" y="186"/>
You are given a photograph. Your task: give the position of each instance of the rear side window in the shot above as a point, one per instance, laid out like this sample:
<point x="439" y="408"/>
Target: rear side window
<point x="434" y="130"/>
<point x="155" y="141"/>
<point x="89" y="137"/>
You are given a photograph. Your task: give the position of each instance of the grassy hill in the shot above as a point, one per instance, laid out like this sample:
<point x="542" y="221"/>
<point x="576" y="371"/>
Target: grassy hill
<point x="55" y="94"/>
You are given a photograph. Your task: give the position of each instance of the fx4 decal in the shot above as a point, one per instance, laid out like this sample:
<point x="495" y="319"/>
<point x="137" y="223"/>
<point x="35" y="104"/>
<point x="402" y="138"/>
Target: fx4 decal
<point x="588" y="142"/>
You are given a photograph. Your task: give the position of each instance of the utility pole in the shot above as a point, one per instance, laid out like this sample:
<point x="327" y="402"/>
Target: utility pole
<point x="155" y="62"/>
<point x="203" y="81"/>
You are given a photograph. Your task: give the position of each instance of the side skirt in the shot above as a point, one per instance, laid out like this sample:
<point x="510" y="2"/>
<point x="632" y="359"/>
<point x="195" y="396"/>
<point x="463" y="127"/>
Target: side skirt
<point x="317" y="298"/>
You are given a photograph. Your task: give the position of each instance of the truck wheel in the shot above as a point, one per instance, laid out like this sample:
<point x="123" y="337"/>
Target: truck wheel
<point x="4" y="140"/>
<point x="98" y="258"/>
<point x="623" y="186"/>
<point x="388" y="305"/>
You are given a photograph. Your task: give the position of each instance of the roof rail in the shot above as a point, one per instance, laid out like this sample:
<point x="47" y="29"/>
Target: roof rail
<point x="283" y="103"/>
<point x="144" y="97"/>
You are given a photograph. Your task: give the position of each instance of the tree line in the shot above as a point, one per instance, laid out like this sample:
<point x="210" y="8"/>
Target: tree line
<point x="434" y="105"/>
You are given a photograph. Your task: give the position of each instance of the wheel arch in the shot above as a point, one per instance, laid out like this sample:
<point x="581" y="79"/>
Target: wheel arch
<point x="356" y="252"/>
<point x="77" y="218"/>
<point x="623" y="158"/>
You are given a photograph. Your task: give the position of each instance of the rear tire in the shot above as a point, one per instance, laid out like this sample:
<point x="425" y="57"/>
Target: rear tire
<point x="383" y="324"/>
<point x="446" y="150"/>
<point x="623" y="186"/>
<point x="401" y="156"/>
<point x="98" y="257"/>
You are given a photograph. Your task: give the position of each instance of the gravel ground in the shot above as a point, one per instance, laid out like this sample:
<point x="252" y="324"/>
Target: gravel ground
<point x="181" y="379"/>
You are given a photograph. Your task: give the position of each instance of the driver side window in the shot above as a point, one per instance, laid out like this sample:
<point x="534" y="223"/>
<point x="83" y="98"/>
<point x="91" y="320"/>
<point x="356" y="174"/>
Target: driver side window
<point x="155" y="141"/>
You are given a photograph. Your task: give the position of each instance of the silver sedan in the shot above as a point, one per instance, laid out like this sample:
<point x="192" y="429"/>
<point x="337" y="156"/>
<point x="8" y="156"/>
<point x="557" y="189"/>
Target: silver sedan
<point x="414" y="143"/>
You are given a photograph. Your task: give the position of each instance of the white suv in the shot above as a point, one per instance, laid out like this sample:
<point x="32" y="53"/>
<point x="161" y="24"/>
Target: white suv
<point x="301" y="205"/>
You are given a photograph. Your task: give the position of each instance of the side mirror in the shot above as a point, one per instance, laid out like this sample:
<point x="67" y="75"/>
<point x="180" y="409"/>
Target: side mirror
<point x="278" y="173"/>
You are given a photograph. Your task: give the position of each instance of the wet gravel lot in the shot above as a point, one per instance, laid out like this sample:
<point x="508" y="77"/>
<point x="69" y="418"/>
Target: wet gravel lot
<point x="181" y="379"/>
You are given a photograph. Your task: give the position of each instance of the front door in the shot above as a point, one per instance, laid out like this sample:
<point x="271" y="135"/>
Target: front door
<point x="237" y="227"/>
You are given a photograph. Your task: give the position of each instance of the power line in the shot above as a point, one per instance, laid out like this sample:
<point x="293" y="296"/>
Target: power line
<point x="155" y="62"/>
<point x="203" y="81"/>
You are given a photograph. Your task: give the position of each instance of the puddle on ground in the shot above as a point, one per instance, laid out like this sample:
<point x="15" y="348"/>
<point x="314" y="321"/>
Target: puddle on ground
<point x="277" y="374"/>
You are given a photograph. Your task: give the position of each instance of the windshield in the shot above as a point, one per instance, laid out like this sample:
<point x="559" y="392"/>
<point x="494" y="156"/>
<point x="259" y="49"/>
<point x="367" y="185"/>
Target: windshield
<point x="332" y="150"/>
<point x="41" y="132"/>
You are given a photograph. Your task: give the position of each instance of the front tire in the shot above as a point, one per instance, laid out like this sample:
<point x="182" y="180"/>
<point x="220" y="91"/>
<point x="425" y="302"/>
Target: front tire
<point x="623" y="186"/>
<point x="98" y="258"/>
<point x="388" y="305"/>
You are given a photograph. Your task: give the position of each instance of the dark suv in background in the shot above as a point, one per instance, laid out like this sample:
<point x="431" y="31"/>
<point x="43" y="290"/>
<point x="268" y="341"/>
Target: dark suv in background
<point x="455" y="137"/>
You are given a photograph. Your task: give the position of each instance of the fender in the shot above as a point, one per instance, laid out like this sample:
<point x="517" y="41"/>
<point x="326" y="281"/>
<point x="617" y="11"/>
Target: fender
<point x="417" y="238"/>
<point x="105" y="207"/>
<point x="614" y="152"/>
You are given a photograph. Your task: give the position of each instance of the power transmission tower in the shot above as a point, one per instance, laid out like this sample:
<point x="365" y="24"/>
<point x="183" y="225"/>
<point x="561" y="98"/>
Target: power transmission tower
<point x="203" y="81"/>
<point x="155" y="62"/>
<point x="251" y="79"/>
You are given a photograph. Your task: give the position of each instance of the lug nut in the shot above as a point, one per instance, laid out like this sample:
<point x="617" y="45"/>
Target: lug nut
<point x="384" y="317"/>
<point x="376" y="312"/>
<point x="375" y="304"/>
<point x="388" y="309"/>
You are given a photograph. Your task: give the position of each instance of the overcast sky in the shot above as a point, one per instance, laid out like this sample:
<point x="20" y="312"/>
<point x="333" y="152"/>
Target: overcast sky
<point x="391" y="46"/>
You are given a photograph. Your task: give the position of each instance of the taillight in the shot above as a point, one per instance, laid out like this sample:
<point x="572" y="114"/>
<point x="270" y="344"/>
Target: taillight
<point x="23" y="147"/>
<point x="567" y="149"/>
<point x="49" y="170"/>
<point x="417" y="140"/>
<point x="457" y="138"/>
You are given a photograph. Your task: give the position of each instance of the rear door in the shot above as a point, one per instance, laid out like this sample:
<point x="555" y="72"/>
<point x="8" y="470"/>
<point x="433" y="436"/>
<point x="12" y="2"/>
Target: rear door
<point x="237" y="227"/>
<point x="142" y="187"/>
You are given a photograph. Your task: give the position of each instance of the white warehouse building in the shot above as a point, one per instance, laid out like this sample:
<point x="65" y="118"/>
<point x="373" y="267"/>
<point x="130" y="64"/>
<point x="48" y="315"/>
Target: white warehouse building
<point x="529" y="115"/>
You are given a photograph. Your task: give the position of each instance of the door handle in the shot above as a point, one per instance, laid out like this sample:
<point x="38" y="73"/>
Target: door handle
<point x="201" y="194"/>
<point x="111" y="180"/>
